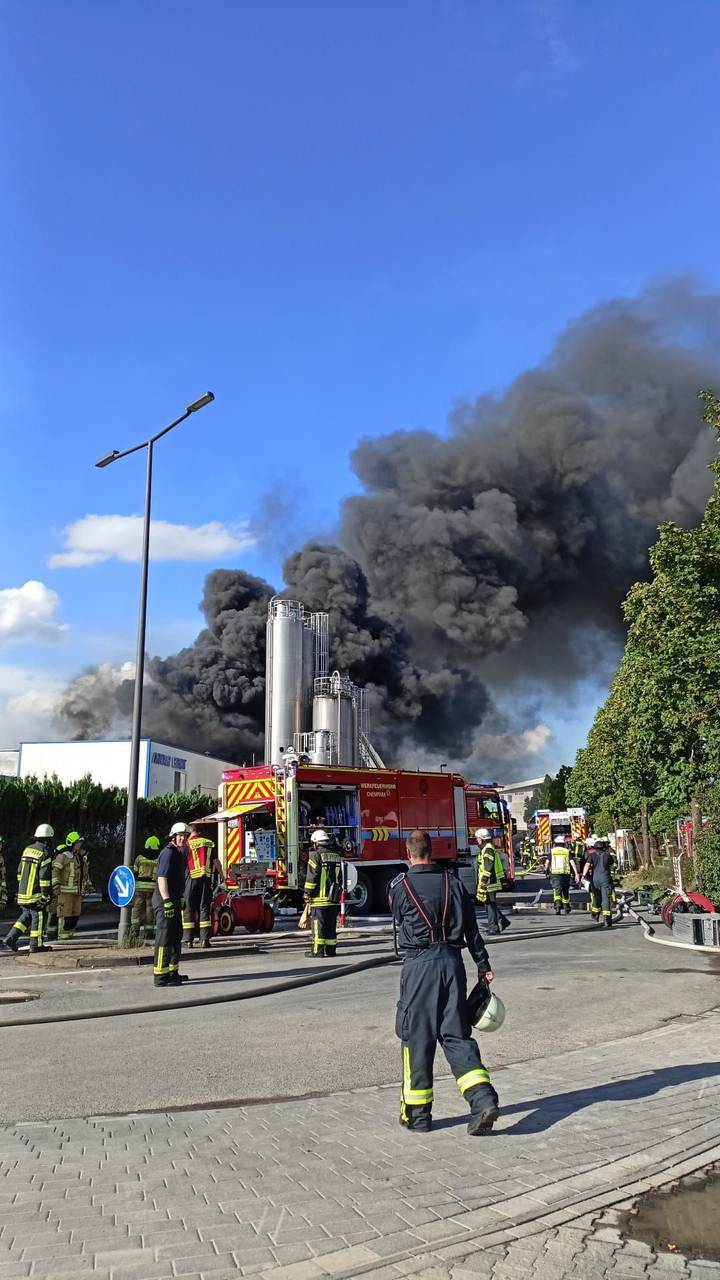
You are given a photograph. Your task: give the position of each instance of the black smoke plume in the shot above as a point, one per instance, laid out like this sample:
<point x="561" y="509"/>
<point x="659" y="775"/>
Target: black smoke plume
<point x="497" y="552"/>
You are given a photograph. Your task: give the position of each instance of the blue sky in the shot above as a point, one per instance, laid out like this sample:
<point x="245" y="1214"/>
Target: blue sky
<point x="342" y="218"/>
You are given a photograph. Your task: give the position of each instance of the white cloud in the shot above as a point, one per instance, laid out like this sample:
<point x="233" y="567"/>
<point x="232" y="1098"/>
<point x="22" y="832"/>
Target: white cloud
<point x="28" y="613"/>
<point x="94" y="539"/>
<point x="508" y="745"/>
<point x="29" y="700"/>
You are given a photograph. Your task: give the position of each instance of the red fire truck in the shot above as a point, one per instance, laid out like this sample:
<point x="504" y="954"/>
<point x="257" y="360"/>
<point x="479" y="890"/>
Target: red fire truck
<point x="267" y="813"/>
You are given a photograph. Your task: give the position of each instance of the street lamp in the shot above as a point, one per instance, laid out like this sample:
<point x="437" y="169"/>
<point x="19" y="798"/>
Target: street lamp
<point x="131" y="813"/>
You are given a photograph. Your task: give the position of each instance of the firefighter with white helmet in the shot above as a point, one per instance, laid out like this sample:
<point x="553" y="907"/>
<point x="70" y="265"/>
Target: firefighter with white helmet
<point x="323" y="887"/>
<point x="598" y="869"/>
<point x="167" y="906"/>
<point x="558" y="865"/>
<point x="34" y="890"/>
<point x="490" y="876"/>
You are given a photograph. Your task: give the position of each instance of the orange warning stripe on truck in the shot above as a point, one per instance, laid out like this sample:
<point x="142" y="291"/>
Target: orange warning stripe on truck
<point x="237" y="793"/>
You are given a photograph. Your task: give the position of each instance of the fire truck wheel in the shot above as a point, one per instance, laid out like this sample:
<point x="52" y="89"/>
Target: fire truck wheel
<point x="226" y="924"/>
<point x="360" y="898"/>
<point x="268" y="919"/>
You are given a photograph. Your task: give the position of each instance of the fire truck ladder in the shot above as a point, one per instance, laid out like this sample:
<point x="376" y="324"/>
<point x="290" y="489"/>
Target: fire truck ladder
<point x="371" y="758"/>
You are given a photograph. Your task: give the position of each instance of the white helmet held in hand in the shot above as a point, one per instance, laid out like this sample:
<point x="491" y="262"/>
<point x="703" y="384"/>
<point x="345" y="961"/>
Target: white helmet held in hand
<point x="179" y="829"/>
<point x="486" y="1010"/>
<point x="482" y="833"/>
<point x="319" y="837"/>
<point x="44" y="832"/>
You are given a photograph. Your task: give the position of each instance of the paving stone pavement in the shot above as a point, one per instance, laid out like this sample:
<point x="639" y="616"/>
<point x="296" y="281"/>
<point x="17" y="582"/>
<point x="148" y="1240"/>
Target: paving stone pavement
<point x="311" y="1189"/>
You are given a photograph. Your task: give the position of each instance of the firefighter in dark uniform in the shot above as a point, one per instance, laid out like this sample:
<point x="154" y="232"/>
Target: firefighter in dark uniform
<point x="435" y="917"/>
<point x="558" y="866"/>
<point x="323" y="887"/>
<point x="598" y="869"/>
<point x="34" y="891"/>
<point x="167" y="906"/>
<point x="201" y="862"/>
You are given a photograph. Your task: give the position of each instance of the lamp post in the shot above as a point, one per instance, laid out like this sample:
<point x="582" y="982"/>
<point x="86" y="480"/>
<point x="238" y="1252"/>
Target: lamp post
<point x="131" y="813"/>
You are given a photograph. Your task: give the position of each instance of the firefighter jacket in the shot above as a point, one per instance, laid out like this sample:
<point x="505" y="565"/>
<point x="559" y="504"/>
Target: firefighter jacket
<point x="70" y="870"/>
<point x="323" y="885"/>
<point x="578" y="852"/>
<point x="145" y="869"/>
<point x="429" y="906"/>
<point x="3" y="882"/>
<point x="200" y="857"/>
<point x="490" y="869"/>
<point x="559" y="861"/>
<point x="34" y="874"/>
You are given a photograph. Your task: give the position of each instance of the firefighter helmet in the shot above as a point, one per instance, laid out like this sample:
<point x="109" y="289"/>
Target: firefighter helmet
<point x="485" y="1009"/>
<point x="44" y="832"/>
<point x="179" y="829"/>
<point x="559" y="840"/>
<point x="152" y="842"/>
<point x="591" y="842"/>
<point x="320" y="837"/>
<point x="72" y="838"/>
<point x="482" y="833"/>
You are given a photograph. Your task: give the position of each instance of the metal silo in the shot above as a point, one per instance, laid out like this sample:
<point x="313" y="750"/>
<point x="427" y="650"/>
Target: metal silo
<point x="284" y="676"/>
<point x="333" y="711"/>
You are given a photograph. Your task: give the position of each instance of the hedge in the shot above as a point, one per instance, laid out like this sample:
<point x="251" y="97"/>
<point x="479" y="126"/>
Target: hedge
<point x="97" y="812"/>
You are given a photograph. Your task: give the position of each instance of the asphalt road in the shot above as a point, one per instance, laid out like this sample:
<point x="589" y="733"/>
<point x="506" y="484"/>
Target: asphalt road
<point x="561" y="992"/>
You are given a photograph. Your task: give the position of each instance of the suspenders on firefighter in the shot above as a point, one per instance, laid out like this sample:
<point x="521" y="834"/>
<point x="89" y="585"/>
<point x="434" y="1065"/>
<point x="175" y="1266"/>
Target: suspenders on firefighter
<point x="435" y="917"/>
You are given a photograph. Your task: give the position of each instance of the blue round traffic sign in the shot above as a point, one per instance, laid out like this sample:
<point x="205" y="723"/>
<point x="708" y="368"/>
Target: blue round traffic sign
<point x="121" y="886"/>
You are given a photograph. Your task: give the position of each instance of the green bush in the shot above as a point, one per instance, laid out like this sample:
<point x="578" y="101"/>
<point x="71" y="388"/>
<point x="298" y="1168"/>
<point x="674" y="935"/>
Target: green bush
<point x="708" y="862"/>
<point x="97" y="812"/>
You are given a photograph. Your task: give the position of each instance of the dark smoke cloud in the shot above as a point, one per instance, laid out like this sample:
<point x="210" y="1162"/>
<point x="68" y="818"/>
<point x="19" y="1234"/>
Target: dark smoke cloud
<point x="499" y="551"/>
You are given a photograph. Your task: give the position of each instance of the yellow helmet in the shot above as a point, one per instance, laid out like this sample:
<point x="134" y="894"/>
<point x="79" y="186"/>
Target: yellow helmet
<point x="152" y="842"/>
<point x="73" y="838"/>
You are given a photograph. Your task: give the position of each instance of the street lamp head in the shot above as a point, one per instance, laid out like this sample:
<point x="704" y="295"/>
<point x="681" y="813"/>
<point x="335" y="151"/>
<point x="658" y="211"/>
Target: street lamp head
<point x="200" y="404"/>
<point x="109" y="457"/>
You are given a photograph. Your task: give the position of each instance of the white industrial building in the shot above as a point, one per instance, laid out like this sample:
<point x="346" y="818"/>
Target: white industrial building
<point x="163" y="768"/>
<point x="516" y="793"/>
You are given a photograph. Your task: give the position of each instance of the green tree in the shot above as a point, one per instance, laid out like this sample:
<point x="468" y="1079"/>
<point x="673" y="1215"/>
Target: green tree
<point x="550" y="794"/>
<point x="656" y="739"/>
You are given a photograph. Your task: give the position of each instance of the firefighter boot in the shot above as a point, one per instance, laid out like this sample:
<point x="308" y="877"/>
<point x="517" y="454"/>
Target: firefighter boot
<point x="8" y="943"/>
<point x="483" y="1109"/>
<point x="416" y="1119"/>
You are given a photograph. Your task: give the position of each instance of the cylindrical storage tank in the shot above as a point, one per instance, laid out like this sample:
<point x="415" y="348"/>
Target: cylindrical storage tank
<point x="284" y="675"/>
<point x="322" y="747"/>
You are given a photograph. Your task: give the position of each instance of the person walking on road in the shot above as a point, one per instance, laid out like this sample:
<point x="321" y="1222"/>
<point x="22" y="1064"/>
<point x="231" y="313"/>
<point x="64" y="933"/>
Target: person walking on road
<point x="435" y="917"/>
<point x="323" y="887"/>
<point x="558" y="866"/>
<point x="34" y="891"/>
<point x="598" y="869"/>
<point x="201" y="862"/>
<point x="167" y="905"/>
<point x="490" y="876"/>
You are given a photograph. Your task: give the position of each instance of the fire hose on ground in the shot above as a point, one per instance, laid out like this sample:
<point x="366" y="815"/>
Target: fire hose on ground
<point x="273" y="988"/>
